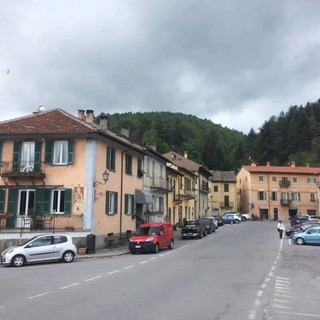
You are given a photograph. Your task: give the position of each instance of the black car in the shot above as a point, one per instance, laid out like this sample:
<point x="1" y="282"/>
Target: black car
<point x="298" y="219"/>
<point x="193" y="229"/>
<point x="209" y="225"/>
<point x="219" y="219"/>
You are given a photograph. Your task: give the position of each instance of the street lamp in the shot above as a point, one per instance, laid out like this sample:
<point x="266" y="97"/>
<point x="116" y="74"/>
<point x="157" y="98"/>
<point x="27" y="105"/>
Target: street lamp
<point x="105" y="177"/>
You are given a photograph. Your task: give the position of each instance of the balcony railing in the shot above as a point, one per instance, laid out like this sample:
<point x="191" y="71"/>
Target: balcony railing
<point x="284" y="183"/>
<point x="226" y="205"/>
<point x="159" y="183"/>
<point x="189" y="194"/>
<point x="204" y="189"/>
<point x="13" y="169"/>
<point x="285" y="202"/>
<point x="45" y="222"/>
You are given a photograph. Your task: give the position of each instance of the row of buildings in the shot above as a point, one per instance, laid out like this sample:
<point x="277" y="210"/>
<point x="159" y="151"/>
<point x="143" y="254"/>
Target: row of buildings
<point x="65" y="172"/>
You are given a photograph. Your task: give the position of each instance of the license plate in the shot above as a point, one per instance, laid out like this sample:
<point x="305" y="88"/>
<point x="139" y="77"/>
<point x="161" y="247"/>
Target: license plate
<point x="138" y="247"/>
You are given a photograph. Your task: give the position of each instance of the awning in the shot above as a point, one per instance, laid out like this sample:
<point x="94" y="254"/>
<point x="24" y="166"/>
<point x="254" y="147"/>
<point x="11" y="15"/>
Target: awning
<point x="143" y="196"/>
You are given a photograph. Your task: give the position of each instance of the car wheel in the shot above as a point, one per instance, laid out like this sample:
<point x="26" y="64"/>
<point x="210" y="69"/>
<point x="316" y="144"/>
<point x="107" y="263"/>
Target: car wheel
<point x="231" y="222"/>
<point x="171" y="244"/>
<point x="244" y="219"/>
<point x="18" y="261"/>
<point x="237" y="221"/>
<point x="156" y="248"/>
<point x="300" y="241"/>
<point x="68" y="256"/>
<point x="183" y="238"/>
<point x="200" y="235"/>
<point x="132" y="251"/>
<point x="214" y="230"/>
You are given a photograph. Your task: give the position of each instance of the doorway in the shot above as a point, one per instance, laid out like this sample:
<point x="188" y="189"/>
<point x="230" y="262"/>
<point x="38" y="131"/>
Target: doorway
<point x="25" y="208"/>
<point x="275" y="214"/>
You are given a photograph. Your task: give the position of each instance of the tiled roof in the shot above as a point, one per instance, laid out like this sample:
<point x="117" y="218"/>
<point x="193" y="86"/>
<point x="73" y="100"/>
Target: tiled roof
<point x="221" y="176"/>
<point x="46" y="122"/>
<point x="282" y="169"/>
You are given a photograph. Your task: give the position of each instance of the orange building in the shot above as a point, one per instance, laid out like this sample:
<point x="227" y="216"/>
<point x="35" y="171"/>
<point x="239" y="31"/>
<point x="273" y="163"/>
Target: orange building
<point x="278" y="192"/>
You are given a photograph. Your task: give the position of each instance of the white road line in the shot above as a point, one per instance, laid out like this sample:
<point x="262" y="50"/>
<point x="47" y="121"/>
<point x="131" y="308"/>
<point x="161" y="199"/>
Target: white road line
<point x="154" y="258"/>
<point x="260" y="293"/>
<point x="270" y="274"/>
<point x="143" y="262"/>
<point x="283" y="278"/>
<point x="263" y="286"/>
<point x="69" y="286"/>
<point x="38" y="295"/>
<point x="257" y="303"/>
<point x="267" y="280"/>
<point x="299" y="314"/>
<point x="94" y="278"/>
<point x="128" y="267"/>
<point x="112" y="272"/>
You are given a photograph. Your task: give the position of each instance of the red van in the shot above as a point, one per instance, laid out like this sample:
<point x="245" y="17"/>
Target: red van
<point x="150" y="237"/>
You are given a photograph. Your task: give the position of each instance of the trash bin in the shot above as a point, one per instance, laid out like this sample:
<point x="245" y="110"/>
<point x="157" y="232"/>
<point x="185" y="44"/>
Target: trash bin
<point x="91" y="243"/>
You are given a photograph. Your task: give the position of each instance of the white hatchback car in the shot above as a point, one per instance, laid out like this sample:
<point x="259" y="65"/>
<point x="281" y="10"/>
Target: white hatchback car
<point x="44" y="247"/>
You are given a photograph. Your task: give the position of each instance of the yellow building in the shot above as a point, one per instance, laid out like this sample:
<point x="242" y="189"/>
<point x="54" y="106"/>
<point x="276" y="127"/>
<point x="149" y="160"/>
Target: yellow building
<point x="278" y="192"/>
<point x="223" y="192"/>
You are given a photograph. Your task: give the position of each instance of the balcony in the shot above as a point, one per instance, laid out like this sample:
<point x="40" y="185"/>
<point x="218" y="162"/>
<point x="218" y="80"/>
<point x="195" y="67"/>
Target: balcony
<point x="159" y="184"/>
<point x="226" y="205"/>
<point x="284" y="183"/>
<point x="22" y="169"/>
<point x="204" y="189"/>
<point x="177" y="197"/>
<point x="189" y="194"/>
<point x="285" y="202"/>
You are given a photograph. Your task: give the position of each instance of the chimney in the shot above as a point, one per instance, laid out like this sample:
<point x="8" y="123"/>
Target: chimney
<point x="253" y="164"/>
<point x="104" y="122"/>
<point x="186" y="154"/>
<point x="268" y="164"/>
<point x="307" y="164"/>
<point x="292" y="164"/>
<point x="89" y="116"/>
<point x="125" y="132"/>
<point x="173" y="156"/>
<point x="81" y="115"/>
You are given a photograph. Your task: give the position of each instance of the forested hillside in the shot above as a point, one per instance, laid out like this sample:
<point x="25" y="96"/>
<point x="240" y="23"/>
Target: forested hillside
<point x="293" y="135"/>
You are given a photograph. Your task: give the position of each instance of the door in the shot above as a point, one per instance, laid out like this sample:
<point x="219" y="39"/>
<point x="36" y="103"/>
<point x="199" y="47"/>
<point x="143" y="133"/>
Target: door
<point x="312" y="235"/>
<point x="25" y="208"/>
<point x="27" y="157"/>
<point x="41" y="249"/>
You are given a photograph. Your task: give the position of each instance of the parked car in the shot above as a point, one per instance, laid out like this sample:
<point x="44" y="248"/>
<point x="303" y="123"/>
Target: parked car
<point x="219" y="220"/>
<point x="209" y="225"/>
<point x="45" y="247"/>
<point x="314" y="218"/>
<point x="298" y="219"/>
<point x="230" y="218"/>
<point x="308" y="236"/>
<point x="237" y="215"/>
<point x="215" y="221"/>
<point x="193" y="229"/>
<point x="245" y="216"/>
<point x="150" y="237"/>
<point x="298" y="227"/>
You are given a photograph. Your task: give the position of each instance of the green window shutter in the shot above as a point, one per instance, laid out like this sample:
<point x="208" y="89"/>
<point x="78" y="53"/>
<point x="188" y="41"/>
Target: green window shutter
<point x="12" y="201"/>
<point x="0" y="150"/>
<point x="37" y="155"/>
<point x="107" y="202"/>
<point x="126" y="203"/>
<point x="16" y="155"/>
<point x="2" y="195"/>
<point x="68" y="201"/>
<point x="116" y="203"/>
<point x="70" y="152"/>
<point x="49" y="150"/>
<point x="43" y="198"/>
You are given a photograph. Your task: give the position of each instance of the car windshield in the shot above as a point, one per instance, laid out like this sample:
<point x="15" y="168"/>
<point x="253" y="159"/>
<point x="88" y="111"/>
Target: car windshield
<point x="148" y="231"/>
<point x="188" y="223"/>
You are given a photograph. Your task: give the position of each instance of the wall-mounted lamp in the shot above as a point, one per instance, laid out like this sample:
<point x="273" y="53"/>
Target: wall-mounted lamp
<point x="105" y="177"/>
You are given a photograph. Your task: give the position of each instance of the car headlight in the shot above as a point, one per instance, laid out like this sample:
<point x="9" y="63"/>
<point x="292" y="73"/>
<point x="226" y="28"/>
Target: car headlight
<point x="150" y="239"/>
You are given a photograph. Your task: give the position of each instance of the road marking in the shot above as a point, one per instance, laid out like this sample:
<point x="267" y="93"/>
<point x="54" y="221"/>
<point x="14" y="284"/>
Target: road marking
<point x="143" y="262"/>
<point x="267" y="280"/>
<point x="260" y="293"/>
<point x="154" y="258"/>
<point x="38" y="295"/>
<point x="128" y="267"/>
<point x="257" y="303"/>
<point x="69" y="286"/>
<point x="112" y="272"/>
<point x="299" y="314"/>
<point x="94" y="278"/>
<point x="252" y="315"/>
<point x="263" y="286"/>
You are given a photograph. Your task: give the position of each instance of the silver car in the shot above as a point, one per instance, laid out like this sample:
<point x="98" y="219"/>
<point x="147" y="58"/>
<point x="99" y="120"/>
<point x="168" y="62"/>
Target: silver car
<point x="45" y="247"/>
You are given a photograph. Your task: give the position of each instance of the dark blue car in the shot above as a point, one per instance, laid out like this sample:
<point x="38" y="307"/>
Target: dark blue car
<point x="229" y="218"/>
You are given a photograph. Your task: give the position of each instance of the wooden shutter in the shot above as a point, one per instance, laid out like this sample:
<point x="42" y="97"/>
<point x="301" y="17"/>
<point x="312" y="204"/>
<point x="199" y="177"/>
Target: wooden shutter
<point x="49" y="151"/>
<point x="43" y="198"/>
<point x="70" y="151"/>
<point x="107" y="202"/>
<point x="115" y="202"/>
<point x="2" y="197"/>
<point x="126" y="203"/>
<point x="37" y="156"/>
<point x="68" y="201"/>
<point x="12" y="201"/>
<point x="16" y="155"/>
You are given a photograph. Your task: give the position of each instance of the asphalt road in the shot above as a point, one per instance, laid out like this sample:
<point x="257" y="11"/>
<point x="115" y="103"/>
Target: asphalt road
<point x="241" y="272"/>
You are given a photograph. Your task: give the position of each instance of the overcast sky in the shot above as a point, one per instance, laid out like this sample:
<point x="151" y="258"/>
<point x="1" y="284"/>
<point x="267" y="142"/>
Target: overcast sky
<point x="235" y="62"/>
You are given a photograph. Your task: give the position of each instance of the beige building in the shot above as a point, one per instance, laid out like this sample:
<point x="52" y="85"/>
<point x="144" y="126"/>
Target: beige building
<point x="278" y="192"/>
<point x="223" y="194"/>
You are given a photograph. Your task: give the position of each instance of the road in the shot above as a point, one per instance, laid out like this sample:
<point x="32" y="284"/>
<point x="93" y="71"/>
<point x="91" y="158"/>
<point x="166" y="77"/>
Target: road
<point x="241" y="272"/>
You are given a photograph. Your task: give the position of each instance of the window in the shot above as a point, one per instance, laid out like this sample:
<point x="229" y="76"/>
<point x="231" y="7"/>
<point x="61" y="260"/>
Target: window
<point x="260" y="178"/>
<point x="60" y="152"/>
<point x="139" y="170"/>
<point x="148" y="167"/>
<point x="161" y="204"/>
<point x="274" y="179"/>
<point x="129" y="204"/>
<point x="226" y="187"/>
<point x="42" y="241"/>
<point x="312" y="197"/>
<point x="215" y="189"/>
<point x="111" y="202"/>
<point x="261" y="195"/>
<point x="226" y="201"/>
<point x="311" y="180"/>
<point x="111" y="159"/>
<point x="58" y="201"/>
<point x="295" y="196"/>
<point x="274" y="196"/>
<point x="295" y="179"/>
<point x="128" y="163"/>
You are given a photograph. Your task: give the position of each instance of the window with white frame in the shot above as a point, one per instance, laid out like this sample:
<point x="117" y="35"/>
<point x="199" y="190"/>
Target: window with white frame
<point x="311" y="180"/>
<point x="129" y="204"/>
<point x="111" y="202"/>
<point x="260" y="178"/>
<point x="274" y="195"/>
<point x="60" y="152"/>
<point x="161" y="204"/>
<point x="295" y="196"/>
<point x="58" y="201"/>
<point x="274" y="179"/>
<point x="312" y="197"/>
<point x="262" y="195"/>
<point x="294" y="179"/>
